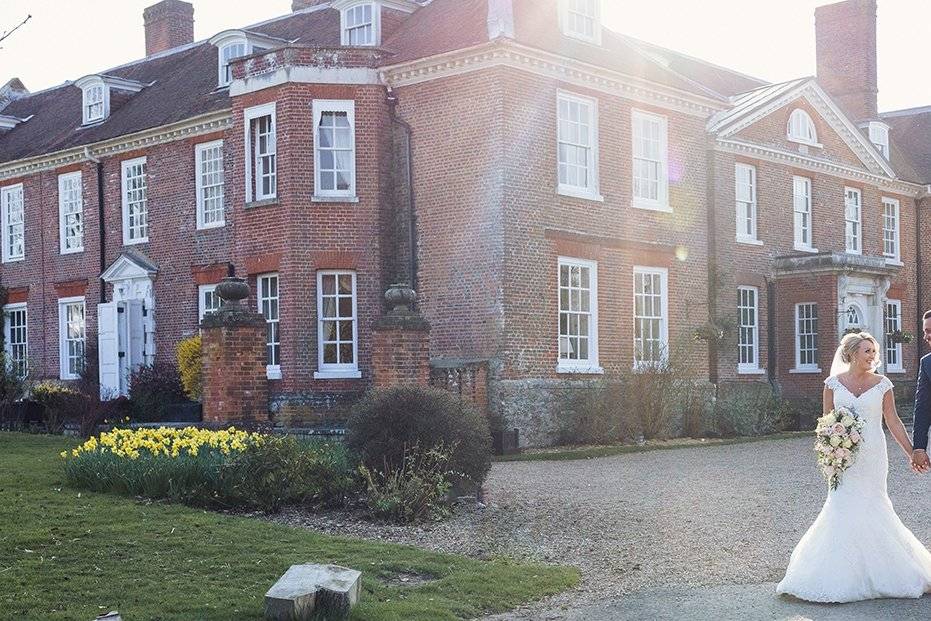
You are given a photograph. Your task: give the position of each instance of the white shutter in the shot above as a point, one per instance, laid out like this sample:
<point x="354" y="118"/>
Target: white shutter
<point x="136" y="334"/>
<point x="108" y="350"/>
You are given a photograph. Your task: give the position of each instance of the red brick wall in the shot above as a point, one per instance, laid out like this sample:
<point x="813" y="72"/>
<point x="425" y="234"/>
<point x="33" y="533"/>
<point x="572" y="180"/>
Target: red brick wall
<point x="235" y="387"/>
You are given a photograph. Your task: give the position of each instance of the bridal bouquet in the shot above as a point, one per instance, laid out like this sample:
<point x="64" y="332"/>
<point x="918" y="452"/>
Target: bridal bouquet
<point x="838" y="438"/>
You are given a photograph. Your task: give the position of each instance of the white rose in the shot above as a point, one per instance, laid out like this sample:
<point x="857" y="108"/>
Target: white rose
<point x="847" y="421"/>
<point x="835" y="440"/>
<point x="847" y="444"/>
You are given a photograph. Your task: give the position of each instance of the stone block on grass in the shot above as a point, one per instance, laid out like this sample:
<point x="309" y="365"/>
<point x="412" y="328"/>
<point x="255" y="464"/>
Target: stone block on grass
<point x="311" y="591"/>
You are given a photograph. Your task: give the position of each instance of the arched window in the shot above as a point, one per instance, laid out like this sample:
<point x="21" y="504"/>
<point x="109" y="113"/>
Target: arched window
<point x="360" y="24"/>
<point x="228" y="53"/>
<point x="801" y="127"/>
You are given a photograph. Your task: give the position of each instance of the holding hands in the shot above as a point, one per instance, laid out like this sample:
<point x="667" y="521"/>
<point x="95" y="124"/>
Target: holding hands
<point x="920" y="461"/>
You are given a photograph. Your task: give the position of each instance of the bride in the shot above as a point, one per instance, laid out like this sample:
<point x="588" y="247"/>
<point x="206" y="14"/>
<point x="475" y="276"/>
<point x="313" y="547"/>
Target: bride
<point x="857" y="547"/>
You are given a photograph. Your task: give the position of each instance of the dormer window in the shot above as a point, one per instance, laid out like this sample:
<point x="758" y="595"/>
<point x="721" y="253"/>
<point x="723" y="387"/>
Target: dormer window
<point x="802" y="128"/>
<point x="581" y="19"/>
<point x="359" y="25"/>
<point x="96" y="94"/>
<point x="879" y="136"/>
<point x="233" y="44"/>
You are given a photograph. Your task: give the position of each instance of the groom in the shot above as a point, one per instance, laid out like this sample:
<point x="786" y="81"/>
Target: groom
<point x="920" y="462"/>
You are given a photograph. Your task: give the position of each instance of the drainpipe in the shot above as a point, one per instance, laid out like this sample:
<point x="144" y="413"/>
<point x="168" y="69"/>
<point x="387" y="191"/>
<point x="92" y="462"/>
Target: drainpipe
<point x="100" y="221"/>
<point x="918" y="320"/>
<point x="712" y="264"/>
<point x="409" y="180"/>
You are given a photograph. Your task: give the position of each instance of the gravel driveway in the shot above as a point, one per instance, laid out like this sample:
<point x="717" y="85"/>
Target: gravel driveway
<point x="691" y="517"/>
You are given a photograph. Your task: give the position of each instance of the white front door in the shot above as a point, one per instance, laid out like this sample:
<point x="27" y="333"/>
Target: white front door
<point x="121" y="344"/>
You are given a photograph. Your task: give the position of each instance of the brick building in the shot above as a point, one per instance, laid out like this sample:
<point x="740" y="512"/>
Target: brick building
<point x="568" y="202"/>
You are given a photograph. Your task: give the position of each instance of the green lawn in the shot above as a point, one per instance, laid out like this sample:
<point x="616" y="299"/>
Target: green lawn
<point x="66" y="554"/>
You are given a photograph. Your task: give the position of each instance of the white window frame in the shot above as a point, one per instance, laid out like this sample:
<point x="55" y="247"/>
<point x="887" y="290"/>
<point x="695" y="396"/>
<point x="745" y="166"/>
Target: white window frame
<point x="746" y="205"/>
<point x="801" y="128"/>
<point x="853" y="220"/>
<point x="200" y="151"/>
<point x="63" y="356"/>
<point x="375" y="23"/>
<point x="589" y="191"/>
<point x="879" y="136"/>
<point x="224" y="75"/>
<point x="808" y="367"/>
<point x="565" y="11"/>
<point x="202" y="291"/>
<point x="590" y="364"/>
<point x="661" y="202"/>
<point x="753" y="328"/>
<point x="890" y="326"/>
<point x="249" y="115"/>
<point x="7" y="196"/>
<point x="663" y="273"/>
<point x="125" y="165"/>
<point x="321" y="106"/>
<point x="272" y="371"/>
<point x="104" y="102"/>
<point x="332" y="370"/>
<point x="8" y="344"/>
<point x="894" y="257"/>
<point x="797" y="214"/>
<point x="66" y="208"/>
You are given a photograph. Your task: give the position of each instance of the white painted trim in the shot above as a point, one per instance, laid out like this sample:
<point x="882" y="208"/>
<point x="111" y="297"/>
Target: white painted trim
<point x="500" y="19"/>
<point x="64" y="374"/>
<point x="272" y="371"/>
<point x="898" y="346"/>
<point x="331" y="370"/>
<point x="742" y="237"/>
<point x="507" y="53"/>
<point x="592" y="191"/>
<point x="123" y="166"/>
<point x="201" y="302"/>
<point x="590" y="364"/>
<point x="318" y="107"/>
<point x="750" y="367"/>
<point x="896" y="258"/>
<point x="664" y="308"/>
<point x="797" y="231"/>
<point x="250" y="114"/>
<point x="750" y="370"/>
<point x="188" y="128"/>
<point x="199" y="183"/>
<point x="302" y="74"/>
<point x="815" y="165"/>
<point x="345" y="7"/>
<point x="595" y="39"/>
<point x="661" y="203"/>
<point x="748" y="241"/>
<point x="7" y="336"/>
<point x="104" y="99"/>
<point x="808" y="124"/>
<point x="858" y="222"/>
<point x="62" y="179"/>
<point x="7" y="257"/>
<point x="799" y="367"/>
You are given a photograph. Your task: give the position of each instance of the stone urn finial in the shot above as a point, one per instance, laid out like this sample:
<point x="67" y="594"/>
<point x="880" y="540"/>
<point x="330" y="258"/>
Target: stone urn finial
<point x="400" y="298"/>
<point x="232" y="291"/>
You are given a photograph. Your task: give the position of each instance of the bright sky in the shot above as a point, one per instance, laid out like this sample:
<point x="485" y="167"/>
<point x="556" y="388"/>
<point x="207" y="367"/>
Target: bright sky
<point x="770" y="39"/>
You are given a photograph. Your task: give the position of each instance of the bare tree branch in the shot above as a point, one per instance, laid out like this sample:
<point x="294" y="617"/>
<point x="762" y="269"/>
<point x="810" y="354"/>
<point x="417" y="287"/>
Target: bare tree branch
<point x="7" y="33"/>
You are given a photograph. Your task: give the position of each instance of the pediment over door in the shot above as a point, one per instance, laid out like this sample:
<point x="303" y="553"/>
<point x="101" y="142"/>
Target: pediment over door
<point x="129" y="266"/>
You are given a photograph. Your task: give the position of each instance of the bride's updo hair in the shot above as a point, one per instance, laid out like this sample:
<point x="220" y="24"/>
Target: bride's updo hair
<point x="851" y="343"/>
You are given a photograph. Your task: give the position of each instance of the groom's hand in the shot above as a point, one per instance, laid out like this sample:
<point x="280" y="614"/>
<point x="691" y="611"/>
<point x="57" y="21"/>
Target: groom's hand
<point x="920" y="461"/>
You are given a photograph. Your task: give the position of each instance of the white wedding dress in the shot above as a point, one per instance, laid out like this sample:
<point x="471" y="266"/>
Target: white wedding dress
<point x="857" y="547"/>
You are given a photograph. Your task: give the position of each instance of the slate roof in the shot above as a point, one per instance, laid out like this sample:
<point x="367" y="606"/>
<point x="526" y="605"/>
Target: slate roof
<point x="909" y="137"/>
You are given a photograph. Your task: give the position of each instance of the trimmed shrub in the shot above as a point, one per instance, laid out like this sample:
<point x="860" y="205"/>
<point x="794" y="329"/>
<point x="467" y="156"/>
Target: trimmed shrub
<point x="387" y="422"/>
<point x="414" y="492"/>
<point x="191" y="367"/>
<point x="153" y="390"/>
<point x="596" y="413"/>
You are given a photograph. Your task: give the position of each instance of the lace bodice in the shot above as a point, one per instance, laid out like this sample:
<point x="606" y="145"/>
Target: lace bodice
<point x="868" y="405"/>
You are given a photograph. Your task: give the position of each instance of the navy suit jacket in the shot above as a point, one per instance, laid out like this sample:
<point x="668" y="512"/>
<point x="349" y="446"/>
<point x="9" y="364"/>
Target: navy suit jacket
<point x="922" y="404"/>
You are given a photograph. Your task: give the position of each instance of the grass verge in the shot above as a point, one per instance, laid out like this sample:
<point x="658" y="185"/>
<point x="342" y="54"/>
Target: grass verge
<point x="591" y="452"/>
<point x="66" y="554"/>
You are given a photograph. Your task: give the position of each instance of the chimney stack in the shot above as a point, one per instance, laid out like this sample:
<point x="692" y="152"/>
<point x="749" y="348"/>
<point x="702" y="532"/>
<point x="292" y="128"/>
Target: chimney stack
<point x="845" y="37"/>
<point x="168" y="24"/>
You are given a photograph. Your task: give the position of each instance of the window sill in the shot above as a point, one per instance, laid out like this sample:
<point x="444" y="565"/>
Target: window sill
<point x="16" y="260"/>
<point x="651" y="206"/>
<point x="895" y="262"/>
<point x="326" y="375"/>
<point x="854" y="252"/>
<point x="807" y="143"/>
<point x="805" y="370"/>
<point x="808" y="249"/>
<point x="589" y="195"/>
<point x="273" y="372"/>
<point x="334" y="199"/>
<point x="580" y="370"/>
<point x="896" y="371"/>
<point x="751" y="371"/>
<point x="72" y="251"/>
<point x="135" y="242"/>
<point x="208" y="227"/>
<point x="265" y="202"/>
<point x="750" y="242"/>
<point x="646" y="367"/>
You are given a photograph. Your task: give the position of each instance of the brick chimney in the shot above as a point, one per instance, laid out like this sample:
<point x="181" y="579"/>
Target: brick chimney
<point x="845" y="36"/>
<point x="168" y="24"/>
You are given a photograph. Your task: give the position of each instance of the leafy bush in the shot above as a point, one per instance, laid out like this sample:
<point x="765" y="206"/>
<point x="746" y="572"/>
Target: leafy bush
<point x="385" y="422"/>
<point x="153" y="390"/>
<point x="414" y="492"/>
<point x="60" y="403"/>
<point x="191" y="366"/>
<point x="750" y="410"/>
<point x="223" y="469"/>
